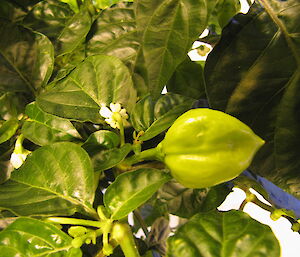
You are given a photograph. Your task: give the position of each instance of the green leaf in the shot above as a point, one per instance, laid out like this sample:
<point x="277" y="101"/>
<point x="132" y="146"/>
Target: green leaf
<point x="225" y="234"/>
<point x="99" y="140"/>
<point x="132" y="189"/>
<point x="107" y="159"/>
<point x="25" y="4"/>
<point x="31" y="237"/>
<point x="11" y="12"/>
<point x="8" y="129"/>
<point x="99" y="80"/>
<point x="188" y="80"/>
<point x="154" y="117"/>
<point x="48" y="17"/>
<point x="11" y="105"/>
<point x="226" y="10"/>
<point x="5" y="169"/>
<point x="44" y="129"/>
<point x="222" y="12"/>
<point x="186" y="202"/>
<point x="26" y="59"/>
<point x="168" y="28"/>
<point x="114" y="33"/>
<point x="56" y="179"/>
<point x="259" y="84"/>
<point x="75" y="31"/>
<point x="102" y="4"/>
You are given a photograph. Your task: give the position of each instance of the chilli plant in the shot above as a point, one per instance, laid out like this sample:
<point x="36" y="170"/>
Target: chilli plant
<point x="94" y="159"/>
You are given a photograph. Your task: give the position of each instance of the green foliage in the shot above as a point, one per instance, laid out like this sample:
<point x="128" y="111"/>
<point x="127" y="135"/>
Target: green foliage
<point x="14" y="240"/>
<point x="55" y="180"/>
<point x="223" y="234"/>
<point x="82" y="112"/>
<point x="43" y="128"/>
<point x="257" y="83"/>
<point x="132" y="189"/>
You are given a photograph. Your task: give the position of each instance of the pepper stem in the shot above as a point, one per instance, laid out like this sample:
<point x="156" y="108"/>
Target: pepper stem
<point x="72" y="221"/>
<point x="122" y="234"/>
<point x="117" y="116"/>
<point x="149" y="154"/>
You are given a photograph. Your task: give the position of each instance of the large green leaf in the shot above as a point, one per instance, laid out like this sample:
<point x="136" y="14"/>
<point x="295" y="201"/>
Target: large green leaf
<point x="99" y="80"/>
<point x="258" y="82"/>
<point x="154" y="117"/>
<point x="102" y="4"/>
<point x="56" y="179"/>
<point x="75" y="30"/>
<point x="8" y="129"/>
<point x="225" y="234"/>
<point x="43" y="128"/>
<point x="222" y="12"/>
<point x="100" y="140"/>
<point x="11" y="105"/>
<point x="107" y="159"/>
<point x="26" y="58"/>
<point x="48" y="17"/>
<point x="186" y="202"/>
<point x="114" y="33"/>
<point x="132" y="189"/>
<point x="167" y="29"/>
<point x="25" y="4"/>
<point x="11" y="11"/>
<point x="188" y="80"/>
<point x="30" y="237"/>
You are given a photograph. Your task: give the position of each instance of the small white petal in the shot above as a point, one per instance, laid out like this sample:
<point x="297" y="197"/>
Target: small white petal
<point x="115" y="107"/>
<point x="111" y="122"/>
<point x="105" y="112"/>
<point x="17" y="160"/>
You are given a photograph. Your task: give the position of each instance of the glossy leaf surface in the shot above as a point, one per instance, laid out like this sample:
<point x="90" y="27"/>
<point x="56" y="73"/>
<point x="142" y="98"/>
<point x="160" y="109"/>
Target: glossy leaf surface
<point x="225" y="234"/>
<point x="31" y="237"/>
<point x="99" y="140"/>
<point x="48" y="17"/>
<point x="132" y="189"/>
<point x="98" y="80"/>
<point x="11" y="105"/>
<point x="55" y="180"/>
<point x="8" y="129"/>
<point x="107" y="159"/>
<point x="11" y="11"/>
<point x="154" y="117"/>
<point x="167" y="28"/>
<point x="114" y="33"/>
<point x="43" y="128"/>
<point x="75" y="31"/>
<point x="26" y="59"/>
<point x="186" y="202"/>
<point x="188" y="80"/>
<point x="259" y="84"/>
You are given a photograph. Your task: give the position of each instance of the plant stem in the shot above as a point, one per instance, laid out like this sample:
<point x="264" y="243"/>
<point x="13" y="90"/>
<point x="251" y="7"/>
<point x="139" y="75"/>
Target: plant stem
<point x="122" y="234"/>
<point x="152" y="154"/>
<point x="72" y="221"/>
<point x="118" y="118"/>
<point x="139" y="217"/>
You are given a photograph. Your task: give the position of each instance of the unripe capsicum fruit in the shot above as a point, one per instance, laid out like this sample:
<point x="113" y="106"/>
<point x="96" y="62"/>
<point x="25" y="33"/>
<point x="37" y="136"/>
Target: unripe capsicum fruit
<point x="205" y="147"/>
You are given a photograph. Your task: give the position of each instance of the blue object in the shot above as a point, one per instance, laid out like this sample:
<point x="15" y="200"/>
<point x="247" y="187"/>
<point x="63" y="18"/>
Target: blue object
<point x="279" y="197"/>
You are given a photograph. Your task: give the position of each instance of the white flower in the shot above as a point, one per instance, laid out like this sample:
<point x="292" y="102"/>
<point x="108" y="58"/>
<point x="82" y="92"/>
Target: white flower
<point x="19" y="154"/>
<point x="114" y="114"/>
<point x="17" y="159"/>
